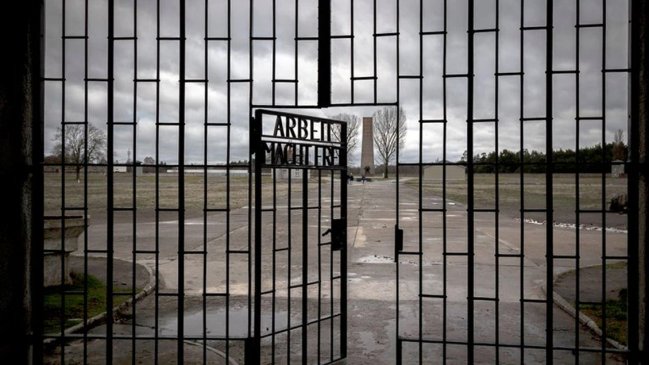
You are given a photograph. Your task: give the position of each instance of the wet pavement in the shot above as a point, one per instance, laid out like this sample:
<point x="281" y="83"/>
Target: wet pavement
<point x="372" y="284"/>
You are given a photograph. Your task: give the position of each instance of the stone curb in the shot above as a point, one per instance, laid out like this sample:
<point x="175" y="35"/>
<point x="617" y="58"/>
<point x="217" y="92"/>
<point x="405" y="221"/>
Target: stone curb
<point x="562" y="303"/>
<point x="101" y="317"/>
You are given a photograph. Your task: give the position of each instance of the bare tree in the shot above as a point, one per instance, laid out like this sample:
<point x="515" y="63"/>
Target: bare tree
<point x="389" y="134"/>
<point x="76" y="151"/>
<point x="353" y="124"/>
<point x="619" y="149"/>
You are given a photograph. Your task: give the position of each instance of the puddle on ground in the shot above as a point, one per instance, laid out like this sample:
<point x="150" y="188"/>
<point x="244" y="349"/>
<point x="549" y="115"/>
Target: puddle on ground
<point x="215" y="322"/>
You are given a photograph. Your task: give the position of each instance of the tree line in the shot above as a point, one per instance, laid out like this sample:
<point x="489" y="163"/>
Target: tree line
<point x="593" y="159"/>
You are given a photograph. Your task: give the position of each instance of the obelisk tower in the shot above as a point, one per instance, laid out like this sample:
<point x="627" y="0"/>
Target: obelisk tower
<point x="367" y="147"/>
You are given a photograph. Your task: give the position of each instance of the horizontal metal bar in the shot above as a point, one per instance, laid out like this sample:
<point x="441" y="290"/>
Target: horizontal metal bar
<point x="412" y="77"/>
<point x="450" y="253"/>
<point x="433" y="296"/>
<point x="486" y="30"/>
<point x="425" y="121"/>
<point x="519" y="73"/>
<point x="222" y="39"/>
<point x="448" y="76"/>
<point x="361" y="78"/>
<point x="392" y="34"/>
<point x="564" y="72"/>
<point x="593" y="25"/>
<point x="516" y="255"/>
<point x="410" y="253"/>
<point x="616" y="70"/>
<point x="534" y="27"/>
<point x="342" y="36"/>
<point x="486" y="299"/>
<point x="433" y="32"/>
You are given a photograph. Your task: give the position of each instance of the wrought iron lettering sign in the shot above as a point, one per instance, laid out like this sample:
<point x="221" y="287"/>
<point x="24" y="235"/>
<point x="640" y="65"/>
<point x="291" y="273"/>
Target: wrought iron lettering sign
<point x="290" y="140"/>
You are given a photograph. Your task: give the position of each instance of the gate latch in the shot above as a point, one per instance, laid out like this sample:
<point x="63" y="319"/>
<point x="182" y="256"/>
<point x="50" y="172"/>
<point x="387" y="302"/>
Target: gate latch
<point x="338" y="232"/>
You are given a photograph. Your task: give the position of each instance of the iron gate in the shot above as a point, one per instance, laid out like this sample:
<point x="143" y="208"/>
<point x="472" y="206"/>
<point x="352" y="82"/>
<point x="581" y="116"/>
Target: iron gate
<point x="511" y="73"/>
<point x="291" y="147"/>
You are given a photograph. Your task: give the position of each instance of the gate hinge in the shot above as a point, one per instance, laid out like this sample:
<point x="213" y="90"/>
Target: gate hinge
<point x="398" y="242"/>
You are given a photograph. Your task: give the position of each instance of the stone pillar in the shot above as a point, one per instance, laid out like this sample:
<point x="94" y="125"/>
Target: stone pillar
<point x="20" y="181"/>
<point x="367" y="147"/>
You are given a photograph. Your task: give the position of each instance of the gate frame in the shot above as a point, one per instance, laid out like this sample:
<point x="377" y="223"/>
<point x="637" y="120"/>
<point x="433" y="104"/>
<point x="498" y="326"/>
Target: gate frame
<point x="253" y="345"/>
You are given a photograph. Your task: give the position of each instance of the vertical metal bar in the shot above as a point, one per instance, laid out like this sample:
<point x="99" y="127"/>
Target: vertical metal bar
<point x="305" y="263"/>
<point x="205" y="171"/>
<point x="227" y="187"/>
<point x="374" y="47"/>
<point x="444" y="175"/>
<point x="397" y="313"/>
<point x="603" y="183"/>
<point x="521" y="156"/>
<point x="351" y="46"/>
<point x="181" y="187"/>
<point x="637" y="236"/>
<point x="85" y="180"/>
<point x="343" y="250"/>
<point x="157" y="191"/>
<point x="420" y="195"/>
<point x="324" y="53"/>
<point x="273" y="341"/>
<point x="549" y="203"/>
<point x="497" y="185"/>
<point x="258" y="152"/>
<point x="134" y="194"/>
<point x="110" y="227"/>
<point x="64" y="163"/>
<point x="319" y="264"/>
<point x="470" y="191"/>
<point x="577" y="188"/>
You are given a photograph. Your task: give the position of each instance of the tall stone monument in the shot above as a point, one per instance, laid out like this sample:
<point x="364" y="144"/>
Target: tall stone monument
<point x="367" y="147"/>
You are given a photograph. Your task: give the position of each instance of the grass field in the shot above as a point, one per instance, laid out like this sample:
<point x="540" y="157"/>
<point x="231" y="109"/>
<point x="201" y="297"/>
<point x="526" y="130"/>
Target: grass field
<point x="145" y="189"/>
<point x="533" y="194"/>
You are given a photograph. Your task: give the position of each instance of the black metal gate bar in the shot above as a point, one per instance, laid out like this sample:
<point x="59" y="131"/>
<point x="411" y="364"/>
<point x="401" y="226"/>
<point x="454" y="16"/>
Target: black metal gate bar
<point x="110" y="182"/>
<point x="549" y="202"/>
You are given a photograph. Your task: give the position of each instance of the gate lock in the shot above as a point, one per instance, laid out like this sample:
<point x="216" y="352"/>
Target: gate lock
<point x="338" y="232"/>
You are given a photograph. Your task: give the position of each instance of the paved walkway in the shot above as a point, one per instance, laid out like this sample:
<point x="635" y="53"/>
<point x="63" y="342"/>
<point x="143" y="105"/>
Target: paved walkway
<point x="372" y="280"/>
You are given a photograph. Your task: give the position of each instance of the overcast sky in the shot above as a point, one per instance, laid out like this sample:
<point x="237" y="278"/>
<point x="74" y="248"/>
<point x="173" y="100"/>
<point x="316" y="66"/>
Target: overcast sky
<point x="138" y="102"/>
